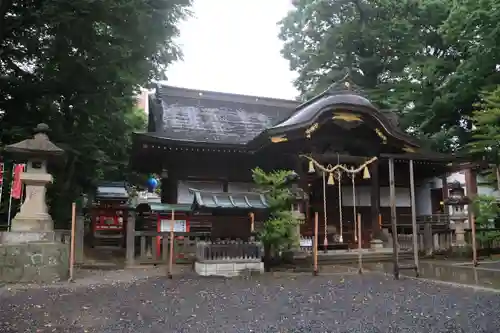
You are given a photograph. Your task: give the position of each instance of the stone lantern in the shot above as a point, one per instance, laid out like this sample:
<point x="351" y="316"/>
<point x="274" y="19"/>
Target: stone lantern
<point x="31" y="238"/>
<point x="458" y="215"/>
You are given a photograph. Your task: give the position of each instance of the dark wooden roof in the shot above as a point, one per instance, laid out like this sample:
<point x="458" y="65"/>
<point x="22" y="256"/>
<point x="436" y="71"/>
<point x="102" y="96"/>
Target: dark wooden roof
<point x="206" y="200"/>
<point x="343" y="96"/>
<point x="209" y="117"/>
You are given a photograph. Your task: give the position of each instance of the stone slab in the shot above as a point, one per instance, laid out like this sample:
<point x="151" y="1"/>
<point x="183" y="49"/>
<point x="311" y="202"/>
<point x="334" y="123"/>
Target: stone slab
<point x="227" y="269"/>
<point x="22" y="237"/>
<point x="43" y="262"/>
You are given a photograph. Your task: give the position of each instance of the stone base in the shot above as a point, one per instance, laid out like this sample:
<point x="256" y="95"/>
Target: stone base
<point x="23" y="237"/>
<point x="38" y="222"/>
<point x="228" y="269"/>
<point x="34" y="262"/>
<point x="376" y="244"/>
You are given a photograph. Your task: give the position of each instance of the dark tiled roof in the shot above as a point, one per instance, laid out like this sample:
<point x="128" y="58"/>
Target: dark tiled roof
<point x="341" y="93"/>
<point x="201" y="116"/>
<point x="226" y="200"/>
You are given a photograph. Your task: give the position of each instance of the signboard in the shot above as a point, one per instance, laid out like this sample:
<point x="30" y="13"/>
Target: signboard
<point x="179" y="225"/>
<point x="306" y="242"/>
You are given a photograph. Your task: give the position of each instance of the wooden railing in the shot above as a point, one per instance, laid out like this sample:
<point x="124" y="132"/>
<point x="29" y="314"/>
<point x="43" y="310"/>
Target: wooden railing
<point x="441" y="240"/>
<point x="433" y="240"/>
<point x="152" y="247"/>
<point x="233" y="251"/>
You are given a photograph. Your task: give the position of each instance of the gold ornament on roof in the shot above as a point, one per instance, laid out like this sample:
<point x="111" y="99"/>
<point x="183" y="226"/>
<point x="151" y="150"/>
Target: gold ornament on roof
<point x="278" y="139"/>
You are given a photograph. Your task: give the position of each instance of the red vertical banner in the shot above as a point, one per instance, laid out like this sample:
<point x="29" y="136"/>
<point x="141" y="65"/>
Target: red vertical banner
<point x="17" y="184"/>
<point x="1" y="174"/>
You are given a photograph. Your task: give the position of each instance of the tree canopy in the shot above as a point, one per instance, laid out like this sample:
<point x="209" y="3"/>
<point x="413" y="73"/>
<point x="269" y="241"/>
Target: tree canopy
<point x="427" y="60"/>
<point x="77" y="66"/>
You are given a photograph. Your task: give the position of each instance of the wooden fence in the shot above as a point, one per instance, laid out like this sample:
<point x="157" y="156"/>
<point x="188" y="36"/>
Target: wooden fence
<point x="152" y="247"/>
<point x="229" y="251"/>
<point x="431" y="240"/>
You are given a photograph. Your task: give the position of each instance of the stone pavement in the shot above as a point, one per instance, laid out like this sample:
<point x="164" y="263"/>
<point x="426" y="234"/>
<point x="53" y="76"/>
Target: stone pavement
<point x="337" y="301"/>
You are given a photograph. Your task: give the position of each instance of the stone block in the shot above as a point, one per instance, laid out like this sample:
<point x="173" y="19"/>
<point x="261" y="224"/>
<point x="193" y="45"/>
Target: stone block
<point x="376" y="244"/>
<point x="255" y="266"/>
<point x="225" y="267"/>
<point x="205" y="269"/>
<point x="44" y="262"/>
<point x="21" y="237"/>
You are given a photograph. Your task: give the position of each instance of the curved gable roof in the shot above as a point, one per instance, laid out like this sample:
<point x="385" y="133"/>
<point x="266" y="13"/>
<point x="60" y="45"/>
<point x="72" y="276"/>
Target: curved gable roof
<point x="343" y="96"/>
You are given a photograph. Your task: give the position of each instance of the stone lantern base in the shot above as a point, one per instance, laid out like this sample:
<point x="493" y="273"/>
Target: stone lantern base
<point x="32" y="257"/>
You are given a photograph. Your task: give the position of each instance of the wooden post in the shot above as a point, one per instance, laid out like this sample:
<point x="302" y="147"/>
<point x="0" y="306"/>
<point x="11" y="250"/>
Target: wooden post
<point x="428" y="238"/>
<point x="252" y="222"/>
<point x="414" y="218"/>
<point x="360" y="249"/>
<point x="392" y="193"/>
<point x="72" y="243"/>
<point x="130" y="242"/>
<point x="375" y="200"/>
<point x="171" y="254"/>
<point x="315" y="244"/>
<point x="471" y="188"/>
<point x="79" y="235"/>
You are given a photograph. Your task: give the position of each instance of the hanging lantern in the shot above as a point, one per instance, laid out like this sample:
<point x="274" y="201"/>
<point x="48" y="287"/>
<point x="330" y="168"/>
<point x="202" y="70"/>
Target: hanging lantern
<point x="311" y="167"/>
<point x="366" y="173"/>
<point x="330" y="181"/>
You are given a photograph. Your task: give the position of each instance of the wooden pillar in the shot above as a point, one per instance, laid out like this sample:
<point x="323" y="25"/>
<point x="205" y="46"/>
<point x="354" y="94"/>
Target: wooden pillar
<point x="79" y="238"/>
<point x="414" y="217"/>
<point x="303" y="184"/>
<point x="471" y="188"/>
<point x="375" y="200"/>
<point x="444" y="181"/>
<point x="130" y="241"/>
<point x="392" y="195"/>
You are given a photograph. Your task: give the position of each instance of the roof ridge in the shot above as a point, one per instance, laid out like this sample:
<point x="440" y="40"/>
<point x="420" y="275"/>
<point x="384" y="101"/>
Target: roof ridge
<point x="210" y="94"/>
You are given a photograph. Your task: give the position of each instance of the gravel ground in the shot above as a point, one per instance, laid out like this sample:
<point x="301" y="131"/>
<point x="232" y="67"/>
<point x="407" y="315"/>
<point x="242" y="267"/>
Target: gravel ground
<point x="294" y="303"/>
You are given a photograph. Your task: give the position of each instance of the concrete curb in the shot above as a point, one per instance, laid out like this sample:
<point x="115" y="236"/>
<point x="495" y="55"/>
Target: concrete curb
<point x="446" y="283"/>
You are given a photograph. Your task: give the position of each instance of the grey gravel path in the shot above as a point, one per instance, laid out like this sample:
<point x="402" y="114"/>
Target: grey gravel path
<point x="350" y="303"/>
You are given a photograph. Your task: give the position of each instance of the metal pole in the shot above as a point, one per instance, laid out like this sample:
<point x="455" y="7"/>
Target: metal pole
<point x="392" y="194"/>
<point x="72" y="242"/>
<point x="360" y="250"/>
<point x="414" y="218"/>
<point x="171" y="254"/>
<point x="315" y="244"/>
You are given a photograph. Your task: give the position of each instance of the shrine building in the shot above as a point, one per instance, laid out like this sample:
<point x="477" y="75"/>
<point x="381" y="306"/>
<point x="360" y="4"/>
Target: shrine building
<point x="207" y="143"/>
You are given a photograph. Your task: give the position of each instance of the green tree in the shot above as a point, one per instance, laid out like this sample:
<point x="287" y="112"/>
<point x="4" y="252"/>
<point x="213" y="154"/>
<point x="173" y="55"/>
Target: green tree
<point x="77" y="66"/>
<point x="278" y="232"/>
<point x="486" y="211"/>
<point x="398" y="51"/>
<point x="485" y="142"/>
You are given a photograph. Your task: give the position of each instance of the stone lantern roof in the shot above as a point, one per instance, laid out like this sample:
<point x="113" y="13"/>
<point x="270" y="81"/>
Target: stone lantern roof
<point x="39" y="146"/>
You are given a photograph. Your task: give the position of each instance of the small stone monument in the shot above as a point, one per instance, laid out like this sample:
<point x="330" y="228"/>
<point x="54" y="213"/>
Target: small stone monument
<point x="32" y="253"/>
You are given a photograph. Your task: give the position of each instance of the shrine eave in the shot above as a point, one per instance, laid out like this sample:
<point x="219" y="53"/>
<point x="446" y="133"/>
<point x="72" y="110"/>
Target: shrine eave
<point x="346" y="107"/>
<point x="206" y="200"/>
<point x="156" y="141"/>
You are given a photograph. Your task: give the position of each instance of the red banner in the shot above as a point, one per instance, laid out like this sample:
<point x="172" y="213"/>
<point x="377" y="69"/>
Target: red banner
<point x="1" y="174"/>
<point x="17" y="184"/>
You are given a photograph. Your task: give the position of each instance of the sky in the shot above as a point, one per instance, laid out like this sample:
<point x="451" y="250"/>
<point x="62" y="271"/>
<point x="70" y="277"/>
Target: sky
<point x="233" y="46"/>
